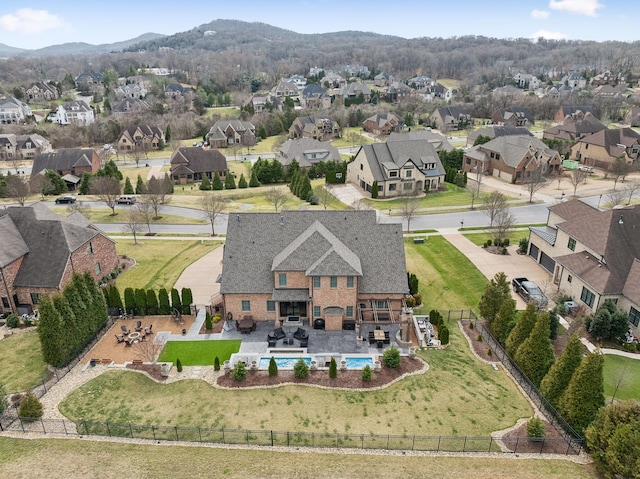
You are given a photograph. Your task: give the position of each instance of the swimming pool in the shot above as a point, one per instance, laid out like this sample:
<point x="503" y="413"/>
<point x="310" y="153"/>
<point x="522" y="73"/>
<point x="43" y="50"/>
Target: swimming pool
<point x="358" y="362"/>
<point x="283" y="362"/>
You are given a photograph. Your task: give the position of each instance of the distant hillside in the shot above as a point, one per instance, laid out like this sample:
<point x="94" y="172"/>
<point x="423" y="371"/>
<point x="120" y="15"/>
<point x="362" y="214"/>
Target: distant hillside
<point x="77" y="48"/>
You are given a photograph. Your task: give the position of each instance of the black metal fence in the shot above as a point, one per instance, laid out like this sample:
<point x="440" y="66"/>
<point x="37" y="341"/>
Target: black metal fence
<point x="570" y="435"/>
<point x="461" y="444"/>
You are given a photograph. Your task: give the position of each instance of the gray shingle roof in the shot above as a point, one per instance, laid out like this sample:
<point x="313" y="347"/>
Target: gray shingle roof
<point x="397" y="153"/>
<point x="299" y="239"/>
<point x="514" y="147"/>
<point x="198" y="160"/>
<point x="438" y="141"/>
<point x="63" y="159"/>
<point x="307" y="151"/>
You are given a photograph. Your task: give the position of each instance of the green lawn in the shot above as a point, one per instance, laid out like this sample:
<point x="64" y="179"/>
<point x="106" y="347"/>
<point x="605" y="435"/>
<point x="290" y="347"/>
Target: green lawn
<point x="267" y="145"/>
<point x="159" y="263"/>
<point x="199" y="353"/>
<point x="351" y="137"/>
<point x="103" y="215"/>
<point x="481" y="238"/>
<point x="623" y="373"/>
<point x="82" y="459"/>
<point x="21" y="363"/>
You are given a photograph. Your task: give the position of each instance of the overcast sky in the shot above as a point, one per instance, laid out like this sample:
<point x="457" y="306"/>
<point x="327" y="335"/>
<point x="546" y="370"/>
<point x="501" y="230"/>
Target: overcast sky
<point x="35" y="24"/>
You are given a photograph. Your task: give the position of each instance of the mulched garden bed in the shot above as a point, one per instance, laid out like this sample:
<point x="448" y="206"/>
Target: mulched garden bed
<point x="480" y="347"/>
<point x="152" y="370"/>
<point x="553" y="444"/>
<point x="217" y="328"/>
<point x="345" y="379"/>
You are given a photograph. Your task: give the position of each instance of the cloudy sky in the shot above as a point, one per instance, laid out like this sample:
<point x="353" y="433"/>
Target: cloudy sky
<point x="35" y="24"/>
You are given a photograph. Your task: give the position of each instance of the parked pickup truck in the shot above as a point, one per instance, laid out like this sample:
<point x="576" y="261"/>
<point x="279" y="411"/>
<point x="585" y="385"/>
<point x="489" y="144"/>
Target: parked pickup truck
<point x="529" y="291"/>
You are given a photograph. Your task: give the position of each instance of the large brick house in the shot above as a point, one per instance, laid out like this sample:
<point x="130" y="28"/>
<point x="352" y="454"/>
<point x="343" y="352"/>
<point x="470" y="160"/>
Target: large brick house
<point x="225" y="133"/>
<point x="320" y="128"/>
<point x="593" y="255"/>
<point x="145" y="137"/>
<point x="340" y="266"/>
<point x="67" y="161"/>
<point x="40" y="251"/>
<point x="191" y="164"/>
<point x="601" y="149"/>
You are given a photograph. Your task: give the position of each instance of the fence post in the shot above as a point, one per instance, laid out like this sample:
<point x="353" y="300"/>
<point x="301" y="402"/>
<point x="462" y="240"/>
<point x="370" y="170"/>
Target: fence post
<point x="362" y="441"/>
<point x="272" y="438"/>
<point x="439" y="437"/>
<point x="86" y="428"/>
<point x="336" y="440"/>
<point x="542" y="445"/>
<point x="44" y="429"/>
<point x="200" y="434"/>
<point x="246" y="434"/>
<point x="287" y="438"/>
<point x="464" y="445"/>
<point x="223" y="442"/>
<point x="387" y="442"/>
<point x="153" y="431"/>
<point x="177" y="437"/>
<point x="108" y="429"/>
<point x="131" y="430"/>
<point x="515" y="449"/>
<point x="490" y="443"/>
<point x="64" y="426"/>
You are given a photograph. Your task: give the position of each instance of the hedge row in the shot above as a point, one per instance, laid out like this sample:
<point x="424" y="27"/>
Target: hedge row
<point x="146" y="302"/>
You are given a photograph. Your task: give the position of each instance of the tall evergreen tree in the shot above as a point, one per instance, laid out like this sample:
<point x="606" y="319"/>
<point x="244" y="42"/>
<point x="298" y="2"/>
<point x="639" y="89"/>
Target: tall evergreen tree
<point x="85" y="184"/>
<point x="501" y="325"/>
<point x="217" y="184"/>
<point x="167" y="134"/>
<point x="495" y="292"/>
<point x="374" y="189"/>
<point x="242" y="182"/>
<point x="99" y="307"/>
<point x="229" y="182"/>
<point x="141" y="188"/>
<point x="205" y="184"/>
<point x="584" y="395"/>
<point x="163" y="302"/>
<point x="130" y="300"/>
<point x="535" y="356"/>
<point x="141" y="302"/>
<point x="557" y="379"/>
<point x="51" y="332"/>
<point x="84" y="325"/>
<point x="152" y="302"/>
<point x="187" y="299"/>
<point x="522" y="329"/>
<point x="71" y="324"/>
<point x="305" y="191"/>
<point x="253" y="180"/>
<point x="175" y="300"/>
<point x="128" y="187"/>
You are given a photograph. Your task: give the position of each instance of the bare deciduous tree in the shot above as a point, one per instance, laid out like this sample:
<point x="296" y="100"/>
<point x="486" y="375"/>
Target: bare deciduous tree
<point x="494" y="203"/>
<point x="475" y="189"/>
<point x="146" y="213"/>
<point x="619" y="169"/>
<point x="277" y="197"/>
<point x="148" y="350"/>
<point x="17" y="189"/>
<point x="140" y="151"/>
<point x="133" y="223"/>
<point x="631" y="187"/>
<point x="534" y="182"/>
<point x="323" y="195"/>
<point x="157" y="195"/>
<point x="107" y="190"/>
<point x="504" y="222"/>
<point x="616" y="198"/>
<point x="410" y="204"/>
<point x="41" y="184"/>
<point x="577" y="178"/>
<point x="212" y="205"/>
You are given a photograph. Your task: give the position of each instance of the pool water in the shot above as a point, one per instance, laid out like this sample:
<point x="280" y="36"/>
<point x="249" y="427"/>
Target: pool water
<point x="359" y="363"/>
<point x="283" y="362"/>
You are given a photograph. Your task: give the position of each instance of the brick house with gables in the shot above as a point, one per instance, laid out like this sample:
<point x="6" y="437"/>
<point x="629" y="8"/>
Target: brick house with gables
<point x="40" y="251"/>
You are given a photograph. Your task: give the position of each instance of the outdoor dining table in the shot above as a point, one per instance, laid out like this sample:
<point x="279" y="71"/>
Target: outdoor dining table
<point x="246" y="325"/>
<point x="378" y="334"/>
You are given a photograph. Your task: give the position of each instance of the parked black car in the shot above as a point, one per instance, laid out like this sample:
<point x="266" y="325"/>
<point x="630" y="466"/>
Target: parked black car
<point x="66" y="199"/>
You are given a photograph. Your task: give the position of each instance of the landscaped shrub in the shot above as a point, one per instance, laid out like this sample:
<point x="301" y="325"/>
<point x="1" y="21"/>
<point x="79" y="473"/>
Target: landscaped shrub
<point x="410" y="301"/>
<point x="217" y="318"/>
<point x="187" y="300"/>
<point x="479" y="337"/>
<point x="129" y="300"/>
<point x="443" y="334"/>
<point x="471" y="325"/>
<point x="414" y="283"/>
<point x="208" y="324"/>
<point x="175" y="300"/>
<point x="367" y="373"/>
<point x="391" y="357"/>
<point x="141" y="302"/>
<point x="488" y="242"/>
<point x="535" y="428"/>
<point x="178" y="365"/>
<point x="300" y="369"/>
<point x="489" y="353"/>
<point x="30" y="407"/>
<point x="523" y="245"/>
<point x="504" y="251"/>
<point x="163" y="302"/>
<point x="13" y="321"/>
<point x="418" y="298"/>
<point x="216" y="364"/>
<point x="505" y="242"/>
<point x="497" y="242"/>
<point x="239" y="372"/>
<point x="273" y="367"/>
<point x="152" y="302"/>
<point x="333" y="368"/>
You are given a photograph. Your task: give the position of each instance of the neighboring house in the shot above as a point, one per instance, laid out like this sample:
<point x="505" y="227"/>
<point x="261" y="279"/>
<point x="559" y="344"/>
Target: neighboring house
<point x="267" y="102"/>
<point x="191" y="164"/>
<point x="421" y="81"/>
<point x="13" y="111"/>
<point x="131" y="90"/>
<point x="632" y="117"/>
<point x="320" y="128"/>
<point x="89" y="78"/>
<point x="609" y="78"/>
<point x="451" y="118"/>
<point x="513" y="116"/>
<point x="225" y="133"/>
<point x="174" y="90"/>
<point x="438" y="141"/>
<point x="145" y="137"/>
<point x="396" y="91"/>
<point x="40" y="251"/>
<point x="72" y="112"/>
<point x="22" y="146"/>
<point x="574" y="111"/>
<point x="285" y="89"/>
<point x="298" y="80"/>
<point x="333" y="80"/>
<point x="314" y="97"/>
<point x="574" y="80"/>
<point x="526" y="81"/>
<point x="511" y="158"/>
<point x="351" y="91"/>
<point x="307" y="152"/>
<point x="39" y="92"/>
<point x="593" y="255"/>
<point x="356" y="70"/>
<point x="435" y="91"/>
<point x="398" y="167"/>
<point x="383" y="124"/>
<point x="383" y="79"/>
<point x="507" y="91"/>
<point x="493" y="131"/>
<point x="129" y="106"/>
<point x="601" y="148"/>
<point x="339" y="266"/>
<point x="69" y="163"/>
<point x="606" y="92"/>
<point x="573" y="128"/>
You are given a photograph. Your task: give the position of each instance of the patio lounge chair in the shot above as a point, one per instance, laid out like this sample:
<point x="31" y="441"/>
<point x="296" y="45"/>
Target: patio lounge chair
<point x="272" y="341"/>
<point x="120" y="338"/>
<point x="279" y="333"/>
<point x="148" y="329"/>
<point x="125" y="330"/>
<point x="304" y="342"/>
<point x="128" y="342"/>
<point x="300" y="334"/>
<point x="138" y="326"/>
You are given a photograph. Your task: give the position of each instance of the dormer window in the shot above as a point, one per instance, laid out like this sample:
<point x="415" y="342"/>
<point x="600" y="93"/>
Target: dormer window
<point x="393" y="174"/>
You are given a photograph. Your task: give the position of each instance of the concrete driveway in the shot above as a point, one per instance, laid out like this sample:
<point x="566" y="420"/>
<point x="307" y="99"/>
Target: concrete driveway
<point x="513" y="265"/>
<point x="201" y="277"/>
<point x="346" y="192"/>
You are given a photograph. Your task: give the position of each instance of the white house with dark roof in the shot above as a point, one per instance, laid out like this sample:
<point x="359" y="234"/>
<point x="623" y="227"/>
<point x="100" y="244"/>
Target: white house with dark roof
<point x="339" y="266"/>
<point x="72" y="112"/>
<point x="592" y="255"/>
<point x="398" y="167"/>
